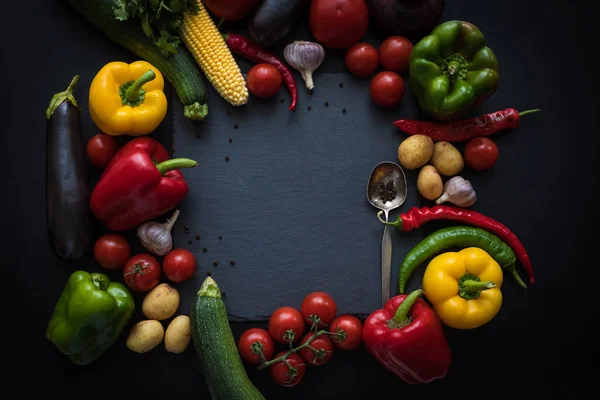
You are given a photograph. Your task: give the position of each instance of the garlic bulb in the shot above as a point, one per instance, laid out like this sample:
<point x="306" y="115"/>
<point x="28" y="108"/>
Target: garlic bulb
<point x="458" y="191"/>
<point x="156" y="237"/>
<point x="305" y="57"/>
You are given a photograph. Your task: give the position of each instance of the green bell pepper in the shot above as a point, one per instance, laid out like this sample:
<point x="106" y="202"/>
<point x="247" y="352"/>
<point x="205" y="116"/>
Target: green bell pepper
<point x="452" y="70"/>
<point x="89" y="316"/>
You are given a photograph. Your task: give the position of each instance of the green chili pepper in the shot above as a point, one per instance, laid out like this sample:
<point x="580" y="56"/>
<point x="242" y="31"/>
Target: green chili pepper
<point x="459" y="236"/>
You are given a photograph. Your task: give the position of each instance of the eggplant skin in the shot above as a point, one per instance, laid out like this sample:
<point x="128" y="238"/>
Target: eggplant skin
<point x="272" y="20"/>
<point x="67" y="188"/>
<point x="409" y="18"/>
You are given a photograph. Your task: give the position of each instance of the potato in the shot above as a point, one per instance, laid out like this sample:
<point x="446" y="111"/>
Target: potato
<point x="161" y="302"/>
<point x="145" y="335"/>
<point x="415" y="151"/>
<point x="429" y="183"/>
<point x="178" y="334"/>
<point x="447" y="159"/>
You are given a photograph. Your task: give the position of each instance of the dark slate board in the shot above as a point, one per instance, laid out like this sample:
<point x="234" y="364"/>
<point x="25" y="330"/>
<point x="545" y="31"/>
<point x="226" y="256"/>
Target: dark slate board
<point x="290" y="203"/>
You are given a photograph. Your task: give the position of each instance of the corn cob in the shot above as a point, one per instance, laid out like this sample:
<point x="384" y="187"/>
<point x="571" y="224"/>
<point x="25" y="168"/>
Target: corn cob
<point x="203" y="39"/>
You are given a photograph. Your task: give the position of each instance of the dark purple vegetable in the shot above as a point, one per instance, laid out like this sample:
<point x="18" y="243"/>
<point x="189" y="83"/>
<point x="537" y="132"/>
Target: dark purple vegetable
<point x="272" y="20"/>
<point x="412" y="19"/>
<point x="67" y="192"/>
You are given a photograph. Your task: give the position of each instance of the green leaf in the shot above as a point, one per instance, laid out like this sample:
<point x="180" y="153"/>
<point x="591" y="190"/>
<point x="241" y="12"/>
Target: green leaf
<point x="146" y="26"/>
<point x="120" y="10"/>
<point x="168" y="43"/>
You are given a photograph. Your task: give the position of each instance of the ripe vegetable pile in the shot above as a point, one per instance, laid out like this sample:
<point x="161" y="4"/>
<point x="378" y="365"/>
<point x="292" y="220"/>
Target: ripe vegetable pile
<point x="451" y="71"/>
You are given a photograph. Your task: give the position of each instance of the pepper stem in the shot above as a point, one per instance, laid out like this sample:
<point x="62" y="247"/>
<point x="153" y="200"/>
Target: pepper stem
<point x="513" y="271"/>
<point x="529" y="112"/>
<point x="453" y="67"/>
<point x="135" y="92"/>
<point x="175" y="163"/>
<point x="61" y="97"/>
<point x="470" y="286"/>
<point x="220" y="23"/>
<point x="401" y="318"/>
<point x="397" y="223"/>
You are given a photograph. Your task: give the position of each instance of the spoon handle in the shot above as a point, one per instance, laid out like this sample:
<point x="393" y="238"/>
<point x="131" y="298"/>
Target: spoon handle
<point x="386" y="263"/>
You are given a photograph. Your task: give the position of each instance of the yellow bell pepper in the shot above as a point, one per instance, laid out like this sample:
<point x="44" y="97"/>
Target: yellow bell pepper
<point x="464" y="287"/>
<point x="128" y="99"/>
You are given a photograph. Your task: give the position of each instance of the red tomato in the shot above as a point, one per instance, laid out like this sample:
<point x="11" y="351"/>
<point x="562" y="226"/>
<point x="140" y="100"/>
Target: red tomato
<point x="481" y="153"/>
<point x="142" y="273"/>
<point x="362" y="60"/>
<point x="394" y="54"/>
<point x="352" y="326"/>
<point x="319" y="304"/>
<point x="285" y="318"/>
<point x="387" y="89"/>
<point x="231" y="10"/>
<point x="264" y="80"/>
<point x="179" y="265"/>
<point x="282" y="374"/>
<point x="101" y="149"/>
<point x="338" y="24"/>
<point x="323" y="346"/>
<point x="245" y="345"/>
<point x="112" y="251"/>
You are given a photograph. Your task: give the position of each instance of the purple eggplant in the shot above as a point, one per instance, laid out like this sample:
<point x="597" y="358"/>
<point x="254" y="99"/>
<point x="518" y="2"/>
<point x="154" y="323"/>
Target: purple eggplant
<point x="412" y="19"/>
<point x="272" y="20"/>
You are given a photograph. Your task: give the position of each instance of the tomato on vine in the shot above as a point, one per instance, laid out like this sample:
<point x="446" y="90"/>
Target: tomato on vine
<point x="319" y="351"/>
<point x="318" y="305"/>
<point x="255" y="338"/>
<point x="352" y="328"/>
<point x="285" y="323"/>
<point x="285" y="375"/>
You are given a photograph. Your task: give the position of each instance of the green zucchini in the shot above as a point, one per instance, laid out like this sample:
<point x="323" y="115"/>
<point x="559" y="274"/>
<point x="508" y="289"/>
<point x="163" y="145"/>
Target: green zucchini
<point x="179" y="69"/>
<point x="220" y="361"/>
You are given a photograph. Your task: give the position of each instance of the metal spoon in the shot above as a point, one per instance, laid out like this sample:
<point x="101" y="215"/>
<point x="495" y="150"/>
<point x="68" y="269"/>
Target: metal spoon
<point x="383" y="173"/>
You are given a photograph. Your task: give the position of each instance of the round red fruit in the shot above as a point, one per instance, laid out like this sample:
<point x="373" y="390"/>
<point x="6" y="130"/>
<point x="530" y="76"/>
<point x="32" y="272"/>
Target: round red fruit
<point x="352" y="328"/>
<point x="387" y="89"/>
<point x="101" y="149"/>
<point x="179" y="265"/>
<point x="362" y="60"/>
<point x="142" y="273"/>
<point x="323" y="349"/>
<point x="318" y="304"/>
<point x="283" y="375"/>
<point x="112" y="251"/>
<point x="284" y="319"/>
<point x="394" y="54"/>
<point x="264" y="80"/>
<point x="338" y="24"/>
<point x="264" y="342"/>
<point x="481" y="153"/>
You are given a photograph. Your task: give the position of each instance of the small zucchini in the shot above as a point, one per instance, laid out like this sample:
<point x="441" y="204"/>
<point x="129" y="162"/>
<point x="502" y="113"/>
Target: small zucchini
<point x="220" y="361"/>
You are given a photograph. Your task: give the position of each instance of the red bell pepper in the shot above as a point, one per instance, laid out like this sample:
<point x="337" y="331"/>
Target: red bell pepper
<point x="139" y="184"/>
<point x="406" y="337"/>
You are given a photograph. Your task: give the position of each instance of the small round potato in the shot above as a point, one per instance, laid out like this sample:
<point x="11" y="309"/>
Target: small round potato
<point x="145" y="335"/>
<point x="415" y="151"/>
<point x="178" y="334"/>
<point x="447" y="159"/>
<point x="429" y="183"/>
<point x="161" y="302"/>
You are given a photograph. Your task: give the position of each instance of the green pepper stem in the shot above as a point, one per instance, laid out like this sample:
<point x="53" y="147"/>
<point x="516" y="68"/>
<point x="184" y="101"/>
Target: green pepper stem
<point x="175" y="163"/>
<point x="529" y="112"/>
<point x="401" y="318"/>
<point x="220" y="23"/>
<point x="453" y="67"/>
<point x="513" y="271"/>
<point x="133" y="92"/>
<point x="471" y="286"/>
<point x="397" y="223"/>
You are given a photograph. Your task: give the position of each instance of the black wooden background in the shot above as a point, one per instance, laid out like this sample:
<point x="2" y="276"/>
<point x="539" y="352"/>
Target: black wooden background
<point x="544" y="187"/>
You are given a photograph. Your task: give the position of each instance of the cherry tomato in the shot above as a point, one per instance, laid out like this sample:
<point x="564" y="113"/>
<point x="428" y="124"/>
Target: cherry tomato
<point x="179" y="265"/>
<point x="338" y="24"/>
<point x="283" y="319"/>
<point x="101" y="149"/>
<point x="362" y="60"/>
<point x="481" y="153"/>
<point x="394" y="54"/>
<point x="352" y="326"/>
<point x="112" y="251"/>
<point x="319" y="304"/>
<point x="142" y="273"/>
<point x="264" y="80"/>
<point x="255" y="335"/>
<point x="324" y="349"/>
<point x="281" y="373"/>
<point x="387" y="89"/>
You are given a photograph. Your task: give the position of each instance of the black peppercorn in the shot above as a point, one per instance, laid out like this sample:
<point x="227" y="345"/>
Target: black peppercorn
<point x="282" y="99"/>
<point x="208" y="273"/>
<point x="309" y="108"/>
<point x="197" y="237"/>
<point x="215" y="263"/>
<point x="223" y="294"/>
<point x="197" y="134"/>
<point x="228" y="112"/>
<point x="220" y="237"/>
<point x="204" y="249"/>
<point x="344" y="110"/>
<point x="235" y="126"/>
<point x="230" y="140"/>
<point x="186" y="227"/>
<point x="232" y="262"/>
<point x="326" y="104"/>
<point x="341" y="84"/>
<point x="226" y="158"/>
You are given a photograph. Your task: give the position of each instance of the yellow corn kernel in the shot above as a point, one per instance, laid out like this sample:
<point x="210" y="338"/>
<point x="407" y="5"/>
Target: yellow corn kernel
<point x="203" y="40"/>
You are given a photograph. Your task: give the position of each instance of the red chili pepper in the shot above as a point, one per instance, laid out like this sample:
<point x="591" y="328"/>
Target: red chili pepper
<point x="459" y="131"/>
<point x="407" y="338"/>
<point x="139" y="184"/>
<point x="416" y="217"/>
<point x="243" y="47"/>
